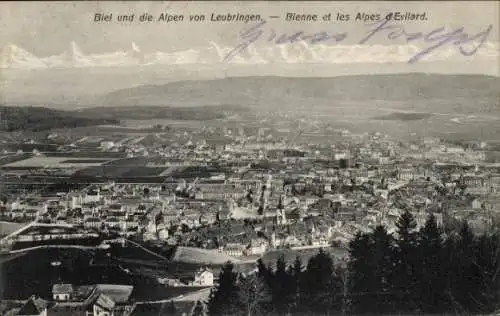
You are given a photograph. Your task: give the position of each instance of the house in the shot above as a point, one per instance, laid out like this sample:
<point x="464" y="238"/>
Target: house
<point x="257" y="247"/>
<point x="281" y="217"/>
<point x="203" y="277"/>
<point x="34" y="307"/>
<point x="234" y="250"/>
<point x="170" y="281"/>
<point x="101" y="305"/>
<point x="321" y="241"/>
<point x="98" y="300"/>
<point x="92" y="222"/>
<point x="163" y="234"/>
<point x="107" y="144"/>
<point x="62" y="292"/>
<point x="115" y="223"/>
<point x="308" y="200"/>
<point x="477" y="204"/>
<point x="91" y="196"/>
<point x="120" y="294"/>
<point x="406" y="174"/>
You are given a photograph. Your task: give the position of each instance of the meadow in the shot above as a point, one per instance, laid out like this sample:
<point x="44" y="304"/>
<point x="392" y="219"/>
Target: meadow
<point x="56" y="162"/>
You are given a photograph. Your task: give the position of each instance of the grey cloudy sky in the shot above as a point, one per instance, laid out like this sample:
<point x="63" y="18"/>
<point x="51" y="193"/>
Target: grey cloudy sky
<point x="46" y="28"/>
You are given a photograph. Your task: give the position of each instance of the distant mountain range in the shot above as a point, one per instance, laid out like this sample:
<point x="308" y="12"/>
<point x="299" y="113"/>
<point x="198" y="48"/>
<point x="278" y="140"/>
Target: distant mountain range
<point x="16" y="57"/>
<point x="454" y="102"/>
<point x="13" y="56"/>
<point x="408" y="90"/>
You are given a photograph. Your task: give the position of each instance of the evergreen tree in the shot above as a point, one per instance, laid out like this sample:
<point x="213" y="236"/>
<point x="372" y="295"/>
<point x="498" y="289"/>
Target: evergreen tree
<point x="223" y="299"/>
<point x="198" y="309"/>
<point x="264" y="272"/>
<point x="431" y="271"/>
<point x="461" y="282"/>
<point x="488" y="259"/>
<point x="296" y="273"/>
<point x="406" y="258"/>
<point x="282" y="289"/>
<point x="383" y="268"/>
<point x="465" y="278"/>
<point x="252" y="294"/>
<point x="170" y="309"/>
<point x="361" y="274"/>
<point x="342" y="283"/>
<point x="320" y="295"/>
<point x="280" y="203"/>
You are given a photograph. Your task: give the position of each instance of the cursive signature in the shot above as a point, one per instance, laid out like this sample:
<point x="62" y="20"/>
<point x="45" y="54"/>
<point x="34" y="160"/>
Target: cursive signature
<point x="466" y="43"/>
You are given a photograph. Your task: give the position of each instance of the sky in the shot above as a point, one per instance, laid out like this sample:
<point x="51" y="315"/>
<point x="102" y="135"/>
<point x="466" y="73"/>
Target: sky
<point x="47" y="28"/>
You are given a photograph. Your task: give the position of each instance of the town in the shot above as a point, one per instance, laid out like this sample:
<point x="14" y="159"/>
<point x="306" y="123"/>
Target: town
<point x="170" y="206"/>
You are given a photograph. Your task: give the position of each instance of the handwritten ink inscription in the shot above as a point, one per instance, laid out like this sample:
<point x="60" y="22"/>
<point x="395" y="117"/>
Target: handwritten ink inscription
<point x="466" y="43"/>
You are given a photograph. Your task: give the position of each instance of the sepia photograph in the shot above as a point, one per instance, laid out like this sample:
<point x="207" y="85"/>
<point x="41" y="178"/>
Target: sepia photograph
<point x="249" y="158"/>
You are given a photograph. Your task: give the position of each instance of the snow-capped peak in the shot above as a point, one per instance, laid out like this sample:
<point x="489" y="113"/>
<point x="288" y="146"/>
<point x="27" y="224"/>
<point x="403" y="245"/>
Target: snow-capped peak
<point x="72" y="57"/>
<point x="214" y="53"/>
<point x="135" y="48"/>
<point x="15" y="57"/>
<point x="75" y="51"/>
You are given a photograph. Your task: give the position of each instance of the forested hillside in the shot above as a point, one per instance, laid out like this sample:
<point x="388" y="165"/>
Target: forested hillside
<point x="41" y="118"/>
<point x="412" y="272"/>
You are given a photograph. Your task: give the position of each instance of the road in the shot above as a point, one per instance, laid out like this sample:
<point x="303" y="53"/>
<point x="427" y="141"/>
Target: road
<point x="199" y="295"/>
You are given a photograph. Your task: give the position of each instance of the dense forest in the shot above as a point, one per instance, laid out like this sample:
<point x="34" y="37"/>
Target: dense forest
<point x="39" y="119"/>
<point x="413" y="271"/>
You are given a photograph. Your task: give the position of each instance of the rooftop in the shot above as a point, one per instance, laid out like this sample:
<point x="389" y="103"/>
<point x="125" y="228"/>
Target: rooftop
<point x="34" y="306"/>
<point x="62" y="288"/>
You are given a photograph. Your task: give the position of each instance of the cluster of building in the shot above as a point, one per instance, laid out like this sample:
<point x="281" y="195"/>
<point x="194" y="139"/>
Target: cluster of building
<point x="248" y="195"/>
<point x="323" y="194"/>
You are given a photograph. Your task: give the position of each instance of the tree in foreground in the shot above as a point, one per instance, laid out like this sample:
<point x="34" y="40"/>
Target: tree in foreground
<point x="223" y="299"/>
<point x="252" y="294"/>
<point x="198" y="309"/>
<point x="432" y="268"/>
<point x="406" y="258"/>
<point x="283" y="288"/>
<point x="361" y="273"/>
<point x="296" y="274"/>
<point x="321" y="293"/>
<point x="168" y="308"/>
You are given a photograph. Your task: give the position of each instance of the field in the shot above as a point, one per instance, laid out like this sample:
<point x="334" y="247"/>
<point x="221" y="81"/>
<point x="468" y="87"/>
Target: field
<point x="404" y="116"/>
<point x="134" y="252"/>
<point x="8" y="227"/>
<point x="200" y="295"/>
<point x="152" y="292"/>
<point x="155" y="309"/>
<point x="145" y="124"/>
<point x="84" y="161"/>
<point x="56" y="162"/>
<point x="111" y="171"/>
<point x="52" y="229"/>
<point x="13" y="147"/>
<point x="143" y="167"/>
<point x="88" y="154"/>
<point x="201" y="256"/>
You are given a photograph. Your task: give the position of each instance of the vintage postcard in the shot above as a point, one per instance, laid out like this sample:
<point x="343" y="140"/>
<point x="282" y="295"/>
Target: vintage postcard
<point x="249" y="158"/>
